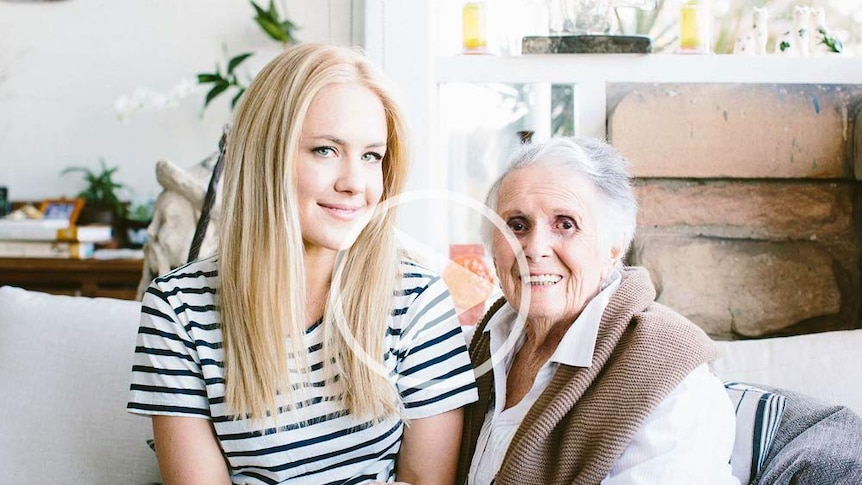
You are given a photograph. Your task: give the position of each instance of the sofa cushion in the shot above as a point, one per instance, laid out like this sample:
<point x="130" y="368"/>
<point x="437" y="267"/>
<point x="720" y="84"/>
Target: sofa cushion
<point x="815" y="443"/>
<point x="758" y="413"/>
<point x="823" y="365"/>
<point x="65" y="364"/>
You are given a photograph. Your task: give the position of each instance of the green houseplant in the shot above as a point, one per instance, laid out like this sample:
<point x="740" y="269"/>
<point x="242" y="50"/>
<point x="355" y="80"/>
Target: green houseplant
<point x="137" y="220"/>
<point x="101" y="195"/>
<point x="276" y="27"/>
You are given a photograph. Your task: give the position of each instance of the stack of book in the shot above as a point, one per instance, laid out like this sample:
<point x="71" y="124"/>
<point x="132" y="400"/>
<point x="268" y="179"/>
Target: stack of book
<point x="46" y="238"/>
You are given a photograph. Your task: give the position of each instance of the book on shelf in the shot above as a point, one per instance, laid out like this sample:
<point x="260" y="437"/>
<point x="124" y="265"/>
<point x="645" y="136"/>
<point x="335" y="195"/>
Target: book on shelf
<point x="53" y="230"/>
<point x="47" y="249"/>
<point x="91" y="233"/>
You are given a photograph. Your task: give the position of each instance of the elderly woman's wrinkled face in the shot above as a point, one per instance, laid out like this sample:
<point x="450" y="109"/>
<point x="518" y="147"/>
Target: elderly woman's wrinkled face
<point x="551" y="210"/>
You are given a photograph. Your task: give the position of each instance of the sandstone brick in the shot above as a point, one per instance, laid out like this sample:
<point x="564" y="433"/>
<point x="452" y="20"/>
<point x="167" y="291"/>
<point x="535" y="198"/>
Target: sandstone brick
<point x="747" y="209"/>
<point x="740" y="288"/>
<point x="733" y="130"/>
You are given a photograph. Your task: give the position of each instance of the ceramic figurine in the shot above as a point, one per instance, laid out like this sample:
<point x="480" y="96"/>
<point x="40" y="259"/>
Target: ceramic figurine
<point x="795" y="42"/>
<point x="785" y="45"/>
<point x="759" y="27"/>
<point x="823" y="41"/>
<point x="744" y="44"/>
<point x="752" y="42"/>
<point x="802" y="29"/>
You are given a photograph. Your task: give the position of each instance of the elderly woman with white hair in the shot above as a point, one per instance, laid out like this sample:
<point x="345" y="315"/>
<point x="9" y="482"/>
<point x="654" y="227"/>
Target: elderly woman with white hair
<point x="583" y="378"/>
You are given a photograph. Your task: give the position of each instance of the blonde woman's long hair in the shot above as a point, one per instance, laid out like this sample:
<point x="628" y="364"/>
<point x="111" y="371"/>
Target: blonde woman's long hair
<point x="260" y="253"/>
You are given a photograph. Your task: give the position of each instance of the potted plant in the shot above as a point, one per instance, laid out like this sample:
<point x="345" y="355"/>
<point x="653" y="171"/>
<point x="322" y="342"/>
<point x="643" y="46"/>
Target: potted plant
<point x="138" y="218"/>
<point x="102" y="202"/>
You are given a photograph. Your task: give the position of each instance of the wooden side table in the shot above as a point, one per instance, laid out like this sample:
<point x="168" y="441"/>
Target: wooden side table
<point x="116" y="278"/>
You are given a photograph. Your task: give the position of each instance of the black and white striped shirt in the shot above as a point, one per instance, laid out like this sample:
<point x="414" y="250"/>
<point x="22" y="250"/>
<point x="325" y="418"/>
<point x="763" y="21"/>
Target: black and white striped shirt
<point x="178" y="370"/>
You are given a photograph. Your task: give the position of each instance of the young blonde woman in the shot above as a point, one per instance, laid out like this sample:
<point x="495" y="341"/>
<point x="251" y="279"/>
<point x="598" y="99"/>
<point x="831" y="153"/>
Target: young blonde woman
<point x="306" y="351"/>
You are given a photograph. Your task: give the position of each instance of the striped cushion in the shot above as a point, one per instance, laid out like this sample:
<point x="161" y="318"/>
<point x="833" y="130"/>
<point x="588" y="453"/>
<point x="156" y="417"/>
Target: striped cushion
<point x="758" y="413"/>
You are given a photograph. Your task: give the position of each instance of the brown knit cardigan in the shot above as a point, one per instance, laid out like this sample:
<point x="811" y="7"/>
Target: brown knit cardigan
<point x="583" y="421"/>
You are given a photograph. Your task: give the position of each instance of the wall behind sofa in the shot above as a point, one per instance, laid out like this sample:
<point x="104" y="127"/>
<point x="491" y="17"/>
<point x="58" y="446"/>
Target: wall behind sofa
<point x="63" y="64"/>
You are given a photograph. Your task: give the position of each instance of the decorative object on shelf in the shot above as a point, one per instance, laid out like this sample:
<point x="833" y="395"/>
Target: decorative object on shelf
<point x="583" y="27"/>
<point x="556" y="17"/>
<point x="730" y="19"/>
<point x="46" y="249"/>
<point x="802" y="29"/>
<point x="474" y="29"/>
<point x="695" y="30"/>
<point x="5" y="203"/>
<point x="796" y="42"/>
<point x="824" y="40"/>
<point x="102" y="202"/>
<point x="587" y="16"/>
<point x="25" y="212"/>
<point x="62" y="209"/>
<point x="141" y="211"/>
<point x="138" y="218"/>
<point x="52" y="230"/>
<point x="760" y="23"/>
<point x="803" y="40"/>
<point x="587" y="44"/>
<point x="752" y="41"/>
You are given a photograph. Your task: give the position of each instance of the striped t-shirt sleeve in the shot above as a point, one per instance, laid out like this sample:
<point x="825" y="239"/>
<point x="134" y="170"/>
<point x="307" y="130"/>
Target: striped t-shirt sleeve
<point x="434" y="374"/>
<point x="166" y="372"/>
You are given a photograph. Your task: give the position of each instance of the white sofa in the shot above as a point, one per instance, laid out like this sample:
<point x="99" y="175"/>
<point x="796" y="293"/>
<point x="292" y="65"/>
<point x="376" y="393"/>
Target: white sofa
<point x="65" y="364"/>
<point x="826" y="366"/>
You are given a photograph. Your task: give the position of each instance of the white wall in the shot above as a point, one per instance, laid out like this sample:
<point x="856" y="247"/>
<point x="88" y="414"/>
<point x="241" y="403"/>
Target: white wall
<point x="64" y="63"/>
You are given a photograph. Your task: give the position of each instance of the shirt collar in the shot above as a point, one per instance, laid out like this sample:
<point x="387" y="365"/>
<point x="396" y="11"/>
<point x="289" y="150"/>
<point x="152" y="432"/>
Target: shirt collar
<point x="577" y="345"/>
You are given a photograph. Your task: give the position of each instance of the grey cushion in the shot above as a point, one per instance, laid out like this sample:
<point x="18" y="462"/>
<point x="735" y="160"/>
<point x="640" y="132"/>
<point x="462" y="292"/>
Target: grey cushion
<point x="816" y="444"/>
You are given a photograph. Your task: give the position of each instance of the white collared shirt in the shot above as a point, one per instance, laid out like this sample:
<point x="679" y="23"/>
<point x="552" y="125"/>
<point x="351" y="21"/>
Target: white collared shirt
<point x="687" y="439"/>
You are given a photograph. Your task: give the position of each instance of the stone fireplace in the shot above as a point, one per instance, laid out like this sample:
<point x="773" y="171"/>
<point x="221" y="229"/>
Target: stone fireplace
<point x="750" y="201"/>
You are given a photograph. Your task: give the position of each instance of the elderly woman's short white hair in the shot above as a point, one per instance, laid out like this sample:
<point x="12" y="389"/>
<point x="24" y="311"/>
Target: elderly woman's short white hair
<point x="601" y="164"/>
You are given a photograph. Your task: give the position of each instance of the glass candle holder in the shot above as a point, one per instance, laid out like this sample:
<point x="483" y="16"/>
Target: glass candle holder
<point x="695" y="33"/>
<point x="588" y="16"/>
<point x="474" y="37"/>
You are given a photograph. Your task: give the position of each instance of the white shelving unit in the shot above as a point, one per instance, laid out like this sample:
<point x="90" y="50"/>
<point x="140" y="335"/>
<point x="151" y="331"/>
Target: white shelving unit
<point x="401" y="35"/>
<point x="591" y="73"/>
<point x="559" y="68"/>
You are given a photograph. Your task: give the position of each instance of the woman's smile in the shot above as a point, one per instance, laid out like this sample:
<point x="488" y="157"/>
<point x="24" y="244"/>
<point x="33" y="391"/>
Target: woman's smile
<point x="542" y="279"/>
<point x="343" y="211"/>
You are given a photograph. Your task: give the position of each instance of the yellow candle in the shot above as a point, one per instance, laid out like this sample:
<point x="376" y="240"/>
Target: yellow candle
<point x="473" y="27"/>
<point x="694" y="28"/>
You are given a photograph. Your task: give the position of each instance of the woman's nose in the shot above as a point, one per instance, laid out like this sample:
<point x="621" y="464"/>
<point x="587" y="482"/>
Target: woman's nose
<point x="350" y="176"/>
<point x="537" y="243"/>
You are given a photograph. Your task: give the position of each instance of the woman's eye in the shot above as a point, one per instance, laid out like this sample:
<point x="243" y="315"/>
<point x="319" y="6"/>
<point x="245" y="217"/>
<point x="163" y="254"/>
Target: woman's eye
<point x="567" y="224"/>
<point x="324" y="151"/>
<point x="517" y="226"/>
<point x="372" y="157"/>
